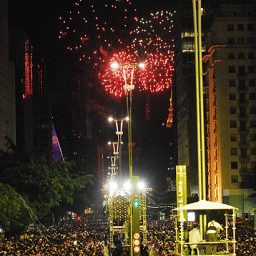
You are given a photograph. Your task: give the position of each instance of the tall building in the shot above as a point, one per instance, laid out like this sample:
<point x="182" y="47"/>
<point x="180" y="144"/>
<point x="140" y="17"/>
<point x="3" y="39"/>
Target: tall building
<point x="185" y="88"/>
<point x="7" y="83"/>
<point x="33" y="112"/>
<point x="231" y="103"/>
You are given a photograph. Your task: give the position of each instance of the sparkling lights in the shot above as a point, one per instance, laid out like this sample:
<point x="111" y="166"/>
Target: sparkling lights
<point x="28" y="70"/>
<point x="151" y="41"/>
<point x="107" y="34"/>
<point x="92" y="28"/>
<point x="112" y="75"/>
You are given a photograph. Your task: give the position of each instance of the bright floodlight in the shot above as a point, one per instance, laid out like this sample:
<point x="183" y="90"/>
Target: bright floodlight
<point x="127" y="185"/>
<point x="141" y="65"/>
<point x="141" y="185"/>
<point x="110" y="119"/>
<point x="191" y="216"/>
<point x="112" y="186"/>
<point x="109" y="142"/>
<point x="126" y="118"/>
<point x="114" y="65"/>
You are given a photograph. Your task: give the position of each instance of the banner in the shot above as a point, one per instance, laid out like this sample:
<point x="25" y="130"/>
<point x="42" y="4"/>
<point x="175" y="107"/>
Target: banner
<point x="181" y="187"/>
<point x="56" y="149"/>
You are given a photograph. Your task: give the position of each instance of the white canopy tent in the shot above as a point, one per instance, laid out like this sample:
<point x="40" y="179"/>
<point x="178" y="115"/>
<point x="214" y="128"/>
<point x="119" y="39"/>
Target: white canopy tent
<point x="203" y="205"/>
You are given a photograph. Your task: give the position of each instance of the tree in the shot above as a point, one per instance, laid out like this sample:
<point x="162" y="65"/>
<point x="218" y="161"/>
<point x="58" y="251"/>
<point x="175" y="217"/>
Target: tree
<point x="42" y="187"/>
<point x="45" y="186"/>
<point x="14" y="209"/>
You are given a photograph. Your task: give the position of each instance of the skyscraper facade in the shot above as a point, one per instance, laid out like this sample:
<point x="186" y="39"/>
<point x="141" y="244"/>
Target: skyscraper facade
<point x="231" y="103"/>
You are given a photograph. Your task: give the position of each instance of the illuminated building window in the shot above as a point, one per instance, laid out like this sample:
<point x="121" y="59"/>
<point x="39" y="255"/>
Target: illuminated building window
<point x="231" y="27"/>
<point x="233" y="151"/>
<point x="234" y="165"/>
<point x="187" y="47"/>
<point x="232" y="83"/>
<point x="232" y="124"/>
<point x="187" y="34"/>
<point x="234" y="179"/>
<point x="28" y="70"/>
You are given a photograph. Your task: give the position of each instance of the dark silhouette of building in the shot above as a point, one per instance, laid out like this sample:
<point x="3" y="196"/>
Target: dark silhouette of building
<point x="7" y="83"/>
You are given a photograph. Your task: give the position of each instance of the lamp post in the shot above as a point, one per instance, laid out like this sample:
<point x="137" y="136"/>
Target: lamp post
<point x="197" y="17"/>
<point x="117" y="147"/>
<point x="128" y="76"/>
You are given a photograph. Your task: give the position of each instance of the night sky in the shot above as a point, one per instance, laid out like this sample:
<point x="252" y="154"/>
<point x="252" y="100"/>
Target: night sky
<point x="40" y="19"/>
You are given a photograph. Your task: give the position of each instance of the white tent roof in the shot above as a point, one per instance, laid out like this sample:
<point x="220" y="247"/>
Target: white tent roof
<point x="205" y="205"/>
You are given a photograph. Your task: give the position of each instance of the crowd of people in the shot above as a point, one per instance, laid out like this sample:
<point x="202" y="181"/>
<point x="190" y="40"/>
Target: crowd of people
<point x="88" y="236"/>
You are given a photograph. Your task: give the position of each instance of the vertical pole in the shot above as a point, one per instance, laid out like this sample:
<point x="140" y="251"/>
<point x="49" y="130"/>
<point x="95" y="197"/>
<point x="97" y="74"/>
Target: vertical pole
<point x="197" y="100"/>
<point x="130" y="68"/>
<point x="200" y="58"/>
<point x="130" y="133"/>
<point x="197" y="15"/>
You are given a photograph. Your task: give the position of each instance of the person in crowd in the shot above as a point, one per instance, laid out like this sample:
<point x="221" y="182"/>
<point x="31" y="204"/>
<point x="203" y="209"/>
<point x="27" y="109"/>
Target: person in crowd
<point x="213" y="230"/>
<point x="91" y="232"/>
<point x="194" y="237"/>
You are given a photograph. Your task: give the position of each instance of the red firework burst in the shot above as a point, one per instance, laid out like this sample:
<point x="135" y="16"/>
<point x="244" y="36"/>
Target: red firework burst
<point x="113" y="79"/>
<point x="157" y="76"/>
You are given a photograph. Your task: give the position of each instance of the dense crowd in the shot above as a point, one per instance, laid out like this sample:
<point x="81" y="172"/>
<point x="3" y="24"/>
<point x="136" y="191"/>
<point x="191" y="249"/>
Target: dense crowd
<point x="88" y="236"/>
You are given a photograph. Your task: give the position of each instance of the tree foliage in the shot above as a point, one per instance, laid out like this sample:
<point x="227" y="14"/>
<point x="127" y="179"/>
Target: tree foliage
<point x="14" y="213"/>
<point x="33" y="182"/>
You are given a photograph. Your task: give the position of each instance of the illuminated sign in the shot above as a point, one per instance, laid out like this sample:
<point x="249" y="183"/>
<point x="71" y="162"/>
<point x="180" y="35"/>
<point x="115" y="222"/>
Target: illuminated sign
<point x="181" y="185"/>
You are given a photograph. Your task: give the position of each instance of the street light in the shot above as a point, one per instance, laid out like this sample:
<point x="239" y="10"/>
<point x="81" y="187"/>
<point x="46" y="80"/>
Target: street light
<point x="128" y="76"/>
<point x="117" y="147"/>
<point x="119" y="126"/>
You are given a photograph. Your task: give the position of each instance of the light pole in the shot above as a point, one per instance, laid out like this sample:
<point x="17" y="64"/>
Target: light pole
<point x="197" y="17"/>
<point x="119" y="132"/>
<point x="128" y="76"/>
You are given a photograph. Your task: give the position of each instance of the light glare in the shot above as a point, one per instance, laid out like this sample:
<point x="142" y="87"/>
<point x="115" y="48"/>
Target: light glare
<point x="114" y="65"/>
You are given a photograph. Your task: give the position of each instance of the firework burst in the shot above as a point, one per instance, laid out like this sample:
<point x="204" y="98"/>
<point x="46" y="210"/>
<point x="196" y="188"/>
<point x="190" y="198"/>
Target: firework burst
<point x="91" y="28"/>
